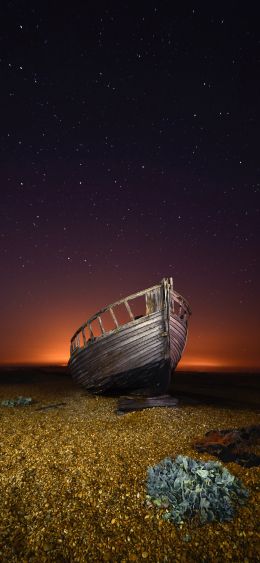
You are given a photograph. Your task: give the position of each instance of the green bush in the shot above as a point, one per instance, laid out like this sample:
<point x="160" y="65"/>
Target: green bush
<point x="186" y="487"/>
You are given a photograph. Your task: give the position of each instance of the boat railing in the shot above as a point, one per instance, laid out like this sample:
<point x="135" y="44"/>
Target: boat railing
<point x="179" y="306"/>
<point x="80" y="338"/>
<point x="154" y="302"/>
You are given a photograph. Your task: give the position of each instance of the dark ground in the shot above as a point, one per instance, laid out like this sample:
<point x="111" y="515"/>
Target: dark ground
<point x="220" y="388"/>
<point x="227" y="389"/>
<point x="73" y="472"/>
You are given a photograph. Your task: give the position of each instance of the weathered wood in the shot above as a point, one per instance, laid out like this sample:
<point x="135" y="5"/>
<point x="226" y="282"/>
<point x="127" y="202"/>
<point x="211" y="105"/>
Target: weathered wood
<point x="153" y="300"/>
<point x="139" y="402"/>
<point x="129" y="310"/>
<point x="130" y="297"/>
<point x="114" y="317"/>
<point x="130" y="348"/>
<point x="88" y="324"/>
<point x="101" y="325"/>
<point x="84" y="337"/>
<point x="134" y="349"/>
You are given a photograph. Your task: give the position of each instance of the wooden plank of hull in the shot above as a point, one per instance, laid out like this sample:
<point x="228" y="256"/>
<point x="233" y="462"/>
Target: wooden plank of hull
<point x="131" y="348"/>
<point x="150" y="379"/>
<point x="109" y="351"/>
<point x="130" y="330"/>
<point x="117" y="344"/>
<point x="88" y="378"/>
<point x="178" y="337"/>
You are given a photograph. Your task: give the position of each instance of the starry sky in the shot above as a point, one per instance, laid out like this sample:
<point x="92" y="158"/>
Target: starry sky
<point x="129" y="152"/>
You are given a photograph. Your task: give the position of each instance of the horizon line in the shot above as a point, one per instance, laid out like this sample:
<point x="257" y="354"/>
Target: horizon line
<point x="187" y="368"/>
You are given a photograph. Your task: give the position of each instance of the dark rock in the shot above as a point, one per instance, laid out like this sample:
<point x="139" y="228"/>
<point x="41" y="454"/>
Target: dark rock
<point x="235" y="444"/>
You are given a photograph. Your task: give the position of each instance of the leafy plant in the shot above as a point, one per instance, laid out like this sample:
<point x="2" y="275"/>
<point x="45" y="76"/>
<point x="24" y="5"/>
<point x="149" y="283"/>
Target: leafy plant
<point x="187" y="487"/>
<point x="20" y="401"/>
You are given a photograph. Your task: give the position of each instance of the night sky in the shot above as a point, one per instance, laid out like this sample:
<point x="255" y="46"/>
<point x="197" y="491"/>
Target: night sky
<point x="129" y="152"/>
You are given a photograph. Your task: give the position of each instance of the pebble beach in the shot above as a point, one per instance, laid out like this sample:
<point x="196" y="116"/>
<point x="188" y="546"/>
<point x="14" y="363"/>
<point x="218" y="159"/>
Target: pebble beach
<point x="73" y="479"/>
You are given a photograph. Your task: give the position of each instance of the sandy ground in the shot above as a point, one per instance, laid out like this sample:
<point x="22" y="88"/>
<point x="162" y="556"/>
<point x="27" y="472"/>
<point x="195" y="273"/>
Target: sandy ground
<point x="73" y="478"/>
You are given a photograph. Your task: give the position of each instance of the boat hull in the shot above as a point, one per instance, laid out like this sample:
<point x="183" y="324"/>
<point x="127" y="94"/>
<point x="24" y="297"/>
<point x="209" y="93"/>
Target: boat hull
<point x="151" y="379"/>
<point x="135" y="357"/>
<point x="138" y="356"/>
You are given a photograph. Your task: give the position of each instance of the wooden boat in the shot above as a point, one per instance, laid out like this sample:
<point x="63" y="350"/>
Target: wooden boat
<point x="119" y="350"/>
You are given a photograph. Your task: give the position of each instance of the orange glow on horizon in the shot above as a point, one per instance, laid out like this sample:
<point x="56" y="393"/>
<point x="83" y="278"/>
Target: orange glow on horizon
<point x="51" y="357"/>
<point x="207" y="364"/>
<point x="215" y="343"/>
